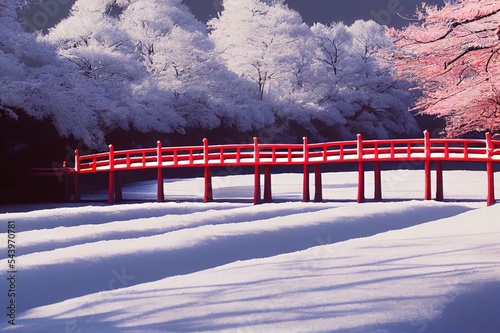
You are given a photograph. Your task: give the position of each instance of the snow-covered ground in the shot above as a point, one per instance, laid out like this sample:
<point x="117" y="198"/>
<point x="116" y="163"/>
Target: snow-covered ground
<point x="398" y="266"/>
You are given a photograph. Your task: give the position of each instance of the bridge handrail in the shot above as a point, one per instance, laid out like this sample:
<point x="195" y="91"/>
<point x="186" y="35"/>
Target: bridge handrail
<point x="290" y="154"/>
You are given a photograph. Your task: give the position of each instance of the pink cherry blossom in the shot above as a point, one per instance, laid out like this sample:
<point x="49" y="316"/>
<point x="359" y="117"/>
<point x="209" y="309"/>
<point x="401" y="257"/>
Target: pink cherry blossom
<point x="453" y="55"/>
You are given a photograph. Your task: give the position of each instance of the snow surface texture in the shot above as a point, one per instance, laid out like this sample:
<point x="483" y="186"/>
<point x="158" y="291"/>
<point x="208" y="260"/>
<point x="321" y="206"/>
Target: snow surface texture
<point x="400" y="266"/>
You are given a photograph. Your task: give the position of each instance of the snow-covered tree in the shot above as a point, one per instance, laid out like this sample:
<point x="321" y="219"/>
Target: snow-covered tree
<point x="149" y="65"/>
<point x="34" y="80"/>
<point x="355" y="77"/>
<point x="175" y="48"/>
<point x="96" y="45"/>
<point x="453" y="55"/>
<point x="265" y="43"/>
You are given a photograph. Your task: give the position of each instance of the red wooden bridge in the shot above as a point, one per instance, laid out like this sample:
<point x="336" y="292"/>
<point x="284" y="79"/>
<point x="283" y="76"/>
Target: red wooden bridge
<point x="263" y="156"/>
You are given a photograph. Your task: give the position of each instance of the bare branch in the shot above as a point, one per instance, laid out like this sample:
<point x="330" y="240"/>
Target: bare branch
<point x="454" y="25"/>
<point x="465" y="52"/>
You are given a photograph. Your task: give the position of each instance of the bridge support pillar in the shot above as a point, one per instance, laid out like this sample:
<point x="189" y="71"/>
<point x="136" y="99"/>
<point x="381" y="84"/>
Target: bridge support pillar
<point x="268" y="197"/>
<point x="318" y="184"/>
<point x="160" y="194"/>
<point x="118" y="187"/>
<point x="66" y="187"/>
<point x="208" y="194"/>
<point x="439" y="182"/>
<point x="111" y="185"/>
<point x="361" y="170"/>
<point x="361" y="182"/>
<point x="378" y="182"/>
<point x="77" y="187"/>
<point x="427" y="194"/>
<point x="491" y="183"/>
<point x="111" y="188"/>
<point x="305" y="185"/>
<point x="256" y="185"/>
<point x="76" y="179"/>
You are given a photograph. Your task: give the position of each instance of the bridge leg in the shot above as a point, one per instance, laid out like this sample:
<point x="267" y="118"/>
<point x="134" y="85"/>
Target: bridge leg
<point x="439" y="182"/>
<point x="378" y="182"/>
<point x="427" y="194"/>
<point x="111" y="188"/>
<point x="318" y="185"/>
<point x="118" y="187"/>
<point x="208" y="194"/>
<point x="160" y="194"/>
<point x="256" y="185"/>
<point x="77" y="187"/>
<point x="305" y="185"/>
<point x="66" y="188"/>
<point x="491" y="183"/>
<point x="268" y="197"/>
<point x="361" y="183"/>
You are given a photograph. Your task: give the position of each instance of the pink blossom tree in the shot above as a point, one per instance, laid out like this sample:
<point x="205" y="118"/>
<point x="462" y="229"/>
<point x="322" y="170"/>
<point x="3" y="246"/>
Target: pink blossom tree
<point x="453" y="55"/>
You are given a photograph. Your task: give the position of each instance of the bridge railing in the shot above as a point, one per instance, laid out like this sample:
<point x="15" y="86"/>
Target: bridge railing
<point x="290" y="154"/>
<point x="227" y="154"/>
<point x="256" y="154"/>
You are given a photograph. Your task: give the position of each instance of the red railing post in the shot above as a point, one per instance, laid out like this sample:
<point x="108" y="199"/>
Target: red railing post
<point x="361" y="171"/>
<point x="66" y="182"/>
<point x="256" y="180"/>
<point x="208" y="192"/>
<point x="111" y="185"/>
<point x="305" y="183"/>
<point x="77" y="180"/>
<point x="427" y="162"/>
<point x="318" y="186"/>
<point x="268" y="197"/>
<point x="205" y="151"/>
<point x="490" y="171"/>
<point x="160" y="194"/>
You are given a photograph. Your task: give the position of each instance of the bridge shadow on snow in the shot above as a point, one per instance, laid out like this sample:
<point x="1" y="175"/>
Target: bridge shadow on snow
<point x="54" y="283"/>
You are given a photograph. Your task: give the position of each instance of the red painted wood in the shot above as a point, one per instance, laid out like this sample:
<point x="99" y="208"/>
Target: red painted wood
<point x="378" y="182"/>
<point x="77" y="187"/>
<point x="77" y="160"/>
<point x="318" y="186"/>
<point x="160" y="194"/>
<point x="256" y="179"/>
<point x="427" y="180"/>
<point x="425" y="150"/>
<point x="205" y="151"/>
<point x="256" y="185"/>
<point x="208" y="194"/>
<point x="491" y="184"/>
<point x="66" y="184"/>
<point x="111" y="183"/>
<point x="268" y="197"/>
<point x="439" y="182"/>
<point x="361" y="183"/>
<point x="490" y="148"/>
<point x="305" y="182"/>
<point x="118" y="187"/>
<point x="361" y="171"/>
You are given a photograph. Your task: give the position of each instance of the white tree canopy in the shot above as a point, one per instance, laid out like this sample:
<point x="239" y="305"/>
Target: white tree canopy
<point x="149" y="65"/>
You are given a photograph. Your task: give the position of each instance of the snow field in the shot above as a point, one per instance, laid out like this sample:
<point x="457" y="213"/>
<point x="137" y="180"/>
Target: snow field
<point x="405" y="266"/>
